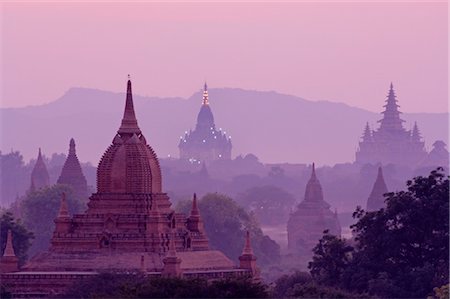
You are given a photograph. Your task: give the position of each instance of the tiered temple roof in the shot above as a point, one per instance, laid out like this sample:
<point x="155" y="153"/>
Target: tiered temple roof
<point x="72" y="174"/>
<point x="205" y="143"/>
<point x="39" y="175"/>
<point x="391" y="143"/>
<point x="312" y="216"/>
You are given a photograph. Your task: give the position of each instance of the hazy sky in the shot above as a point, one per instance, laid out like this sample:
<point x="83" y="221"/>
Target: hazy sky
<point x="347" y="52"/>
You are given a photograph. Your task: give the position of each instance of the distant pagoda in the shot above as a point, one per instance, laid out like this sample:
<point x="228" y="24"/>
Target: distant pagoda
<point x="39" y="174"/>
<point x="313" y="215"/>
<point x="376" y="197"/>
<point x="72" y="174"/>
<point x="205" y="143"/>
<point x="391" y="143"/>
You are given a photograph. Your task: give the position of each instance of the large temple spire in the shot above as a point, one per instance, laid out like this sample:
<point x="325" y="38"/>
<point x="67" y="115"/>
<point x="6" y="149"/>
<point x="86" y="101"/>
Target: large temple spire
<point x="129" y="122"/>
<point x="391" y="121"/>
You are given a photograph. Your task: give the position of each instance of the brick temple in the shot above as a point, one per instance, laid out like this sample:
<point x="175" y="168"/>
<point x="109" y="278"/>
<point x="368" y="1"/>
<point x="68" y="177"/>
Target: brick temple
<point x="312" y="216"/>
<point x="129" y="225"/>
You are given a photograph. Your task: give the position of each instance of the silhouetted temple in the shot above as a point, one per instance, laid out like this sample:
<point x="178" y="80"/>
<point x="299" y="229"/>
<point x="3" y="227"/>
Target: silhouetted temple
<point x="391" y="143"/>
<point x="313" y="215"/>
<point x="438" y="156"/>
<point x="39" y="174"/>
<point x="376" y="198"/>
<point x="129" y="225"/>
<point x="205" y="143"/>
<point x="72" y="174"/>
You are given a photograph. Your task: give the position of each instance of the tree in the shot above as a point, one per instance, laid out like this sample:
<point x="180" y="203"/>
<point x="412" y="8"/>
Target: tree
<point x="226" y="224"/>
<point x="39" y="210"/>
<point x="401" y="250"/>
<point x="21" y="236"/>
<point x="331" y="257"/>
<point x="111" y="285"/>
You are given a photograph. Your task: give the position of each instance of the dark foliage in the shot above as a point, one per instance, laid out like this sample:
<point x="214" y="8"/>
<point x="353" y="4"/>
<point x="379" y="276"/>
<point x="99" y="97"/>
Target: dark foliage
<point x="108" y="285"/>
<point x="401" y="250"/>
<point x="226" y="223"/>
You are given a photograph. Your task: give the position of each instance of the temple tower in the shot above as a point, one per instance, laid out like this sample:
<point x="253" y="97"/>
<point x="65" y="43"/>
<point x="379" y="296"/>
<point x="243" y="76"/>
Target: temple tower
<point x="248" y="260"/>
<point x="172" y="262"/>
<point x="9" y="261"/>
<point x="376" y="197"/>
<point x="312" y="216"/>
<point x="205" y="143"/>
<point x="438" y="156"/>
<point x="72" y="174"/>
<point x="391" y="143"/>
<point x="39" y="175"/>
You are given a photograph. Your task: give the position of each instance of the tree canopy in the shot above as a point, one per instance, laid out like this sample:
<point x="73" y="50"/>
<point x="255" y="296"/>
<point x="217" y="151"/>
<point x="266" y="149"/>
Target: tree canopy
<point x="225" y="225"/>
<point x="39" y="210"/>
<point x="401" y="250"/>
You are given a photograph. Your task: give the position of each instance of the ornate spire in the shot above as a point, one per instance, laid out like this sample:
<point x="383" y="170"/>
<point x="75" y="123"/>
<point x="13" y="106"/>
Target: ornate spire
<point x="313" y="190"/>
<point x="376" y="197"/>
<point x="129" y="121"/>
<point x="391" y="116"/>
<point x="415" y="135"/>
<point x="63" y="209"/>
<point x="172" y="250"/>
<point x="367" y="135"/>
<point x="248" y="246"/>
<point x="194" y="211"/>
<point x="9" y="250"/>
<point x="72" y="174"/>
<point x="39" y="175"/>
<point x="205" y="95"/>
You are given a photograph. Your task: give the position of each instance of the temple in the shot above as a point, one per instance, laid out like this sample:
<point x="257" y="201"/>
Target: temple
<point x="72" y="174"/>
<point x="129" y="225"/>
<point x="391" y="143"/>
<point x="376" y="197"/>
<point x="39" y="174"/>
<point x="313" y="215"/>
<point x="438" y="156"/>
<point x="205" y="143"/>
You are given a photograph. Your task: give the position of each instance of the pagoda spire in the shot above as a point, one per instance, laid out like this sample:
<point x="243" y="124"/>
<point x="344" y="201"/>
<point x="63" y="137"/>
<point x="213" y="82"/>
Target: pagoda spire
<point x="248" y="246"/>
<point x="39" y="176"/>
<point x="391" y="115"/>
<point x="367" y="135"/>
<point x="129" y="122"/>
<point x="376" y="197"/>
<point x="9" y="249"/>
<point x="63" y="209"/>
<point x="205" y="94"/>
<point x="72" y="147"/>
<point x="415" y="135"/>
<point x="313" y="190"/>
<point x="194" y="210"/>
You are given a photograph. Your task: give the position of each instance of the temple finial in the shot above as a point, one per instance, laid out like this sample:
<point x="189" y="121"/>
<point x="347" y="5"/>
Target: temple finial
<point x="129" y="122"/>
<point x="63" y="209"/>
<point x="9" y="249"/>
<point x="313" y="174"/>
<point x="72" y="147"/>
<point x="194" y="210"/>
<point x="248" y="246"/>
<point x="205" y="94"/>
<point x="129" y="76"/>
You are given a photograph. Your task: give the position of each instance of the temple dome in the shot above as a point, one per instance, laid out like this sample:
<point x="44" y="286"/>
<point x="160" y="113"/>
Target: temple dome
<point x="129" y="165"/>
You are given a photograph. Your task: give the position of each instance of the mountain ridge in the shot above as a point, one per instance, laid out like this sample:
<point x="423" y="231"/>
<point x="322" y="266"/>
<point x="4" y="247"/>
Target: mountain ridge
<point x="276" y="127"/>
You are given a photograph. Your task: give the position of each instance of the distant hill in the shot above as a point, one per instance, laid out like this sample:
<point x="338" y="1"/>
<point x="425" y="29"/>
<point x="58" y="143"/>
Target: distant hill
<point x="275" y="127"/>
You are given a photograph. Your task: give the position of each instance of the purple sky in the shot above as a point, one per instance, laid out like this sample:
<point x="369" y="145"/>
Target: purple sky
<point x="346" y="52"/>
